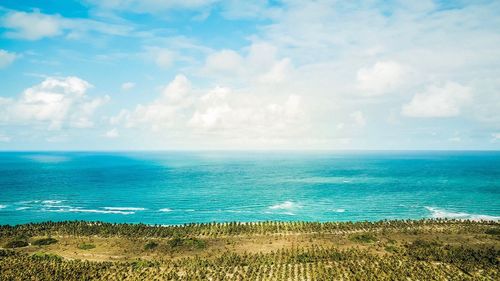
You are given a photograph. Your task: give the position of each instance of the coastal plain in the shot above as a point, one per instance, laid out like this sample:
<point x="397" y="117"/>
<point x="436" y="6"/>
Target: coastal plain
<point x="384" y="250"/>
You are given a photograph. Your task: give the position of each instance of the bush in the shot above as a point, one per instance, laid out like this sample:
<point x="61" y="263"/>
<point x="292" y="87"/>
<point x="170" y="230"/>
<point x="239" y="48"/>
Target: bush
<point x="16" y="244"/>
<point x="44" y="241"/>
<point x="46" y="256"/>
<point x="86" y="246"/>
<point x="493" y="231"/>
<point x="191" y="243"/>
<point x="150" y="245"/>
<point x="364" y="238"/>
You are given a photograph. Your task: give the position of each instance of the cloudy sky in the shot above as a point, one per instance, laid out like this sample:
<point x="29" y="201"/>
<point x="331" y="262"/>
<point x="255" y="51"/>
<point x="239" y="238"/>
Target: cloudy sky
<point x="208" y="74"/>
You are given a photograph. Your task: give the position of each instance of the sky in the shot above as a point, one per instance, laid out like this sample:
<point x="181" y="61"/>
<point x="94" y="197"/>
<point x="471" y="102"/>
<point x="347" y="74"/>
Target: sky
<point x="211" y="74"/>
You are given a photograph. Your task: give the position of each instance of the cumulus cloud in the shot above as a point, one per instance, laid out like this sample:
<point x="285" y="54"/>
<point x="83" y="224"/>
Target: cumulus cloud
<point x="220" y="111"/>
<point x="438" y="101"/>
<point x="380" y="78"/>
<point x="162" y="112"/>
<point x="6" y="58"/>
<point x="56" y="101"/>
<point x="36" y="25"/>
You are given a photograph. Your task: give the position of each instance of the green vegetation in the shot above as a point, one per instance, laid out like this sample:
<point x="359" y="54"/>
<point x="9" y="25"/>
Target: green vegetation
<point x="46" y="256"/>
<point x="16" y="244"/>
<point x="493" y="231"/>
<point x="44" y="241"/>
<point x="388" y="250"/>
<point x="364" y="238"/>
<point x="187" y="243"/>
<point x="86" y="246"/>
<point x="151" y="245"/>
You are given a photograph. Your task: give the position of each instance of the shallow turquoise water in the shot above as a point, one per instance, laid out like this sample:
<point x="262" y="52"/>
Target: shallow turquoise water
<point x="182" y="187"/>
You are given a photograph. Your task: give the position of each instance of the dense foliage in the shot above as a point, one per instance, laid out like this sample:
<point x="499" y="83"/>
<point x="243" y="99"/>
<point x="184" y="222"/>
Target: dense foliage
<point x="420" y="259"/>
<point x="298" y="264"/>
<point x="83" y="228"/>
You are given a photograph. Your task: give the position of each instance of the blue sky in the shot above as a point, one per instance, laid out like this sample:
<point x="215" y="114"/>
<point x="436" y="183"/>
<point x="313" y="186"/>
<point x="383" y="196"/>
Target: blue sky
<point x="209" y="74"/>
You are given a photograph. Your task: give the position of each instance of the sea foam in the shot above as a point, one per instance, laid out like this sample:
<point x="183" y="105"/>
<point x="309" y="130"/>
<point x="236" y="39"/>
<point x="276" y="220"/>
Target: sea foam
<point x="81" y="210"/>
<point x="287" y="205"/>
<point x="439" y="213"/>
<point x="124" y="209"/>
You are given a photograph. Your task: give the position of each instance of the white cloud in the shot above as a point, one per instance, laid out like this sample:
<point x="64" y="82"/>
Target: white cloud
<point x="56" y="102"/>
<point x="219" y="112"/>
<point x="32" y="26"/>
<point x="113" y="133"/>
<point x="260" y="64"/>
<point x="150" y="6"/>
<point x="242" y="9"/>
<point x="224" y="60"/>
<point x="438" y="101"/>
<point x="128" y="86"/>
<point x="6" y="58"/>
<point x="380" y="78"/>
<point x="35" y="25"/>
<point x="163" y="57"/>
<point x="161" y="113"/>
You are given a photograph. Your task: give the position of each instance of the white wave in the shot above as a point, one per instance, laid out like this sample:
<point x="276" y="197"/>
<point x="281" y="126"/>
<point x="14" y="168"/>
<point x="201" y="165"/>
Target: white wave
<point x="52" y="201"/>
<point x="166" y="210"/>
<point x="439" y="213"/>
<point x="22" y="208"/>
<point x="338" y="210"/>
<point x="80" y="210"/>
<point x="3" y="206"/>
<point x="287" y="205"/>
<point x="57" y="206"/>
<point x="124" y="209"/>
<point x="28" y="202"/>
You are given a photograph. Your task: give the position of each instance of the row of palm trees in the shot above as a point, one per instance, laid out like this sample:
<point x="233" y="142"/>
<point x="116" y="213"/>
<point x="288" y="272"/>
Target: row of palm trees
<point x="83" y="228"/>
<point x="419" y="260"/>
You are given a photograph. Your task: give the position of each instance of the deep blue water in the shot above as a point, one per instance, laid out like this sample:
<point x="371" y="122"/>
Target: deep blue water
<point x="182" y="187"/>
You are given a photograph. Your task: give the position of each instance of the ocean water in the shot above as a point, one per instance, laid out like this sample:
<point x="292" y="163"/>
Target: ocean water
<point x="183" y="187"/>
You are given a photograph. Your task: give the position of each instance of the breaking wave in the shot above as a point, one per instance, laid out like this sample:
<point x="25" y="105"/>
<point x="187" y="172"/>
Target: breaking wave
<point x="439" y="213"/>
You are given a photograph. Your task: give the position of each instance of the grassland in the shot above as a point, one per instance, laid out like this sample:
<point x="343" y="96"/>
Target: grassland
<point x="386" y="250"/>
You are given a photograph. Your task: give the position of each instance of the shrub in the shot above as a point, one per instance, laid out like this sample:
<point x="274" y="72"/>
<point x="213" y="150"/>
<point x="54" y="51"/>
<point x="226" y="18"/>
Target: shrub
<point x="44" y="241"/>
<point x="86" y="246"/>
<point x="191" y="243"/>
<point x="150" y="245"/>
<point x="46" y="256"/>
<point x="364" y="238"/>
<point x="493" y="231"/>
<point x="16" y="244"/>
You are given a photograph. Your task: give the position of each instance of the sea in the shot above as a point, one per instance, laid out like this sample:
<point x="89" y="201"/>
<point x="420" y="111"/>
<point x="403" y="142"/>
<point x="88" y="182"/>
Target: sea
<point x="170" y="188"/>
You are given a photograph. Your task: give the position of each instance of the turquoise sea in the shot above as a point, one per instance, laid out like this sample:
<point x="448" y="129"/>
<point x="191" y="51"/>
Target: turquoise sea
<point x="183" y="187"/>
